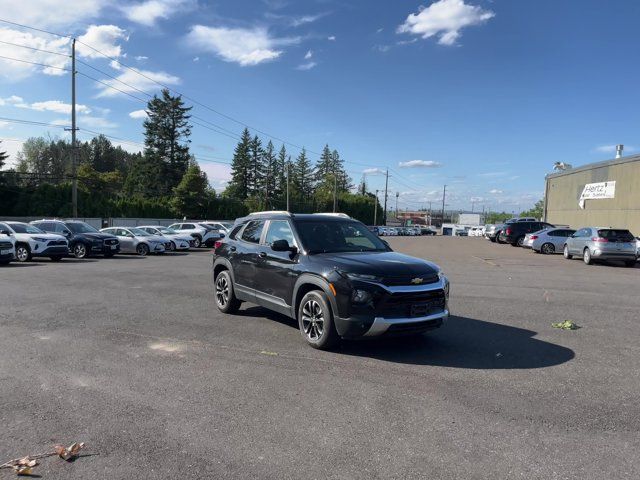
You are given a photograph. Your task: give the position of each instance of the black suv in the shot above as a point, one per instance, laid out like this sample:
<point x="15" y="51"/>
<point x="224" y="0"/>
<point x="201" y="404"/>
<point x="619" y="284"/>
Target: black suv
<point x="331" y="273"/>
<point x="84" y="240"/>
<point x="513" y="233"/>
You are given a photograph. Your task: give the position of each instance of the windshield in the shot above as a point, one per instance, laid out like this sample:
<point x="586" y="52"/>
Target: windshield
<point x="138" y="232"/>
<point x="167" y="231"/>
<point x="227" y="225"/>
<point x="81" y="227"/>
<point x="24" y="228"/>
<point x="336" y="236"/>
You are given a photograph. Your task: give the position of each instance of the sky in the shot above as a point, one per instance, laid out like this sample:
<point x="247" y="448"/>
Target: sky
<point x="483" y="96"/>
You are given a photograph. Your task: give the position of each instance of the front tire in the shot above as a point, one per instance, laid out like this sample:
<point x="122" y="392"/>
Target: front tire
<point x="172" y="246"/>
<point x="23" y="253"/>
<point x="586" y="256"/>
<point x="566" y="254"/>
<point x="548" y="248"/>
<point x="315" y="321"/>
<point x="80" y="250"/>
<point x="142" y="249"/>
<point x="197" y="242"/>
<point x="226" y="300"/>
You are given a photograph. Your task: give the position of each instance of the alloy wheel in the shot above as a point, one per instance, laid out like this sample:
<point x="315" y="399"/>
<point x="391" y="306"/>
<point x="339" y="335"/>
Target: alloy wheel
<point x="222" y="291"/>
<point x="548" y="248"/>
<point x="142" y="249"/>
<point x="22" y="253"/>
<point x="312" y="320"/>
<point x="80" y="251"/>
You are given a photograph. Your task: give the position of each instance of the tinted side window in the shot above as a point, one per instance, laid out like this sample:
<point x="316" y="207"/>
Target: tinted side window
<point x="187" y="226"/>
<point x="253" y="231"/>
<point x="59" y="227"/>
<point x="279" y="230"/>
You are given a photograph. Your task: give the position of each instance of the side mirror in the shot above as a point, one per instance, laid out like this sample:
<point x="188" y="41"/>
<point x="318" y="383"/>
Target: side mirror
<point x="66" y="233"/>
<point x="573" y="235"/>
<point x="5" y="232"/>
<point x="280" y="246"/>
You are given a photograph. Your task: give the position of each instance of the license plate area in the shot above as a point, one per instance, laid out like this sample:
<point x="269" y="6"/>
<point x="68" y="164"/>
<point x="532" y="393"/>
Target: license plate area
<point x="6" y="252"/>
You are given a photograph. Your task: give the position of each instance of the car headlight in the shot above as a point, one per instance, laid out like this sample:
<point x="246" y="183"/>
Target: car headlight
<point x="445" y="283"/>
<point x="361" y="297"/>
<point x="38" y="239"/>
<point x="363" y="277"/>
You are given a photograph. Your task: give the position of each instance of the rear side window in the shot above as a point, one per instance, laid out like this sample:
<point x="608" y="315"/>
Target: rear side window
<point x="235" y="231"/>
<point x="253" y="231"/>
<point x="614" y="234"/>
<point x="187" y="226"/>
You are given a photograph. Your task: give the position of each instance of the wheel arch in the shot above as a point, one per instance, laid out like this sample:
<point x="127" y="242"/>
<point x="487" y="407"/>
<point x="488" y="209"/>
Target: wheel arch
<point x="307" y="283"/>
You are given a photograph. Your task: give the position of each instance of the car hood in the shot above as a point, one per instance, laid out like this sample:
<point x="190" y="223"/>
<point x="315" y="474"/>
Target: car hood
<point x="48" y="236"/>
<point x="97" y="235"/>
<point x="384" y="264"/>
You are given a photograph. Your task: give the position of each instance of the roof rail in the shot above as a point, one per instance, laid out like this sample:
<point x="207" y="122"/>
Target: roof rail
<point x="272" y="212"/>
<point x="333" y="214"/>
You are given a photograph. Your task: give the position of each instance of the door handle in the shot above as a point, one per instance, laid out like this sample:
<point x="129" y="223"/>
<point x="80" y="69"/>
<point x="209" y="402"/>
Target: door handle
<point x="233" y="249"/>
<point x="262" y="254"/>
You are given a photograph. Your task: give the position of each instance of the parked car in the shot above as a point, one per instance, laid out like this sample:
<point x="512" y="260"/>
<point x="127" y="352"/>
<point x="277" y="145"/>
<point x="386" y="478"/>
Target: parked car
<point x="222" y="226"/>
<point x="7" y="247"/>
<point x="475" y="232"/>
<point x="513" y="233"/>
<point x="601" y="243"/>
<point x="84" y="240"/>
<point x="32" y="242"/>
<point x="427" y="230"/>
<point x="638" y="247"/>
<point x="202" y="234"/>
<point x="331" y="274"/>
<point x="550" y="240"/>
<point x="177" y="241"/>
<point x="521" y="219"/>
<point x="492" y="232"/>
<point x="135" y="240"/>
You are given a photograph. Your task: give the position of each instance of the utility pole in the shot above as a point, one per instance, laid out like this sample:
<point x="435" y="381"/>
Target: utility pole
<point x="287" y="175"/>
<point x="335" y="191"/>
<point x="397" y="195"/>
<point x="429" y="212"/>
<point x="386" y="196"/>
<point x="375" y="209"/>
<point x="74" y="177"/>
<point x="444" y="194"/>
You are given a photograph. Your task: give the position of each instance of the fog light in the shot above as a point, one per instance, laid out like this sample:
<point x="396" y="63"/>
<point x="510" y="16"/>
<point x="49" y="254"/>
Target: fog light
<point x="360" y="296"/>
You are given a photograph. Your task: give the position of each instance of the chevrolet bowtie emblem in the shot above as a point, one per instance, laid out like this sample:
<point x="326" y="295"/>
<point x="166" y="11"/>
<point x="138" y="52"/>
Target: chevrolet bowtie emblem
<point x="416" y="280"/>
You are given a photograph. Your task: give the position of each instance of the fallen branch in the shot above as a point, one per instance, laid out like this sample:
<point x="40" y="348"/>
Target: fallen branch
<point x="25" y="465"/>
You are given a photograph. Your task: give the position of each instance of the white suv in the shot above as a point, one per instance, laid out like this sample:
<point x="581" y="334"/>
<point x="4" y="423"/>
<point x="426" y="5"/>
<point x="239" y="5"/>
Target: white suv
<point x="202" y="234"/>
<point x="31" y="242"/>
<point x="7" y="246"/>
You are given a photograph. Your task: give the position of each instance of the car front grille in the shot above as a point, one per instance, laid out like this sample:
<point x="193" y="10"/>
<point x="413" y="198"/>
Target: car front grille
<point x="414" y="304"/>
<point x="6" y="245"/>
<point x="410" y="280"/>
<point x="57" y="243"/>
<point x="111" y="241"/>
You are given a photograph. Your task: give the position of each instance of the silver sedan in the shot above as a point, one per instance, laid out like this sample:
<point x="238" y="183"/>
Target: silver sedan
<point x="177" y="240"/>
<point x="135" y="240"/>
<point x="550" y="240"/>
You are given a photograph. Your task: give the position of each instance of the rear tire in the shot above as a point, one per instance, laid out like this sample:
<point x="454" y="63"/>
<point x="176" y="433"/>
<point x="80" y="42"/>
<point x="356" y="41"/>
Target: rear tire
<point x="226" y="300"/>
<point x="315" y="321"/>
<point x="197" y="242"/>
<point x="566" y="254"/>
<point x="492" y="239"/>
<point x="548" y="248"/>
<point x="519" y="242"/>
<point x="172" y="246"/>
<point x="586" y="257"/>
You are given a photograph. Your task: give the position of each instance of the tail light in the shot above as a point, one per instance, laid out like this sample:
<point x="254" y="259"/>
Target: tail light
<point x="507" y="231"/>
<point x="599" y="240"/>
<point x="217" y="245"/>
<point x="533" y="237"/>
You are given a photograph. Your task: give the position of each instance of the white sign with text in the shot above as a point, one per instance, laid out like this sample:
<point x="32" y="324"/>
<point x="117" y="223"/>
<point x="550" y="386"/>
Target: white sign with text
<point x="595" y="191"/>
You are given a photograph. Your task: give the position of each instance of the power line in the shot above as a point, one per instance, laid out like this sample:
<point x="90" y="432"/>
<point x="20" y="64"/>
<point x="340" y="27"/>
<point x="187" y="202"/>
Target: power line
<point x="31" y="122"/>
<point x="111" y="86"/>
<point x="36" y="49"/>
<point x="34" y="28"/>
<point x="35" y="63"/>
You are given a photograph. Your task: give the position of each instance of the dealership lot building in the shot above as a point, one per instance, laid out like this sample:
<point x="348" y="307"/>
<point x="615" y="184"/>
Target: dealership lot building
<point x="599" y="194"/>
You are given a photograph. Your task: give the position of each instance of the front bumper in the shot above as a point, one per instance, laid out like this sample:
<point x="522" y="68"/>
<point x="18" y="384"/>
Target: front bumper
<point x="39" y="251"/>
<point x="105" y="249"/>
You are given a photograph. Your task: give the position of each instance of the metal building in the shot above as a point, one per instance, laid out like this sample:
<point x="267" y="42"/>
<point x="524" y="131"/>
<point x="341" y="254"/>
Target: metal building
<point x="599" y="194"/>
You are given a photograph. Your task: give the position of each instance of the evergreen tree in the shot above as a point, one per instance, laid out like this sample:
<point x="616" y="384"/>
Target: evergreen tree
<point x="272" y="175"/>
<point x="238" y="187"/>
<point x="344" y="181"/>
<point x="302" y="177"/>
<point x="192" y="195"/>
<point x="167" y="132"/>
<point x="257" y="168"/>
<point x="325" y="167"/>
<point x="280" y="175"/>
<point x="3" y="156"/>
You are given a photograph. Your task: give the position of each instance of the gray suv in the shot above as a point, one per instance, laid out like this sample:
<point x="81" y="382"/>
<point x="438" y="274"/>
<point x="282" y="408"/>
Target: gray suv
<point x="598" y="243"/>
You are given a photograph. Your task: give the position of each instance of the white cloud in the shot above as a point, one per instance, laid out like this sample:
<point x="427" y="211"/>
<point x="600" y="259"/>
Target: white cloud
<point x="12" y="100"/>
<point x="493" y="174"/>
<point x="52" y="13"/>
<point x="150" y="11"/>
<point x="612" y="148"/>
<point x="136" y="81"/>
<point x="141" y="58"/>
<point x="240" y="45"/>
<point x="419" y="163"/>
<point x="495" y="191"/>
<point x="103" y="38"/>
<point x="196" y="59"/>
<point x="137" y="114"/>
<point x="382" y="48"/>
<point x="306" y="66"/>
<point x="445" y="18"/>
<point x="308" y="55"/>
<point x="95" y="122"/>
<point x="56" y="106"/>
<point x="16" y="70"/>
<point x="373" y="171"/>
<point x="476" y="199"/>
<point x="331" y="38"/>
<point x="303" y="20"/>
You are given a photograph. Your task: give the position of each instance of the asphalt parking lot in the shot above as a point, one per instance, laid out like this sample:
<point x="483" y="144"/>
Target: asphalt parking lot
<point x="131" y="356"/>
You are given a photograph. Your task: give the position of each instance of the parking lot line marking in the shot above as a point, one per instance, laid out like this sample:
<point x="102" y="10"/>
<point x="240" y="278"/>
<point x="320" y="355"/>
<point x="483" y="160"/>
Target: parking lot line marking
<point x="488" y="261"/>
